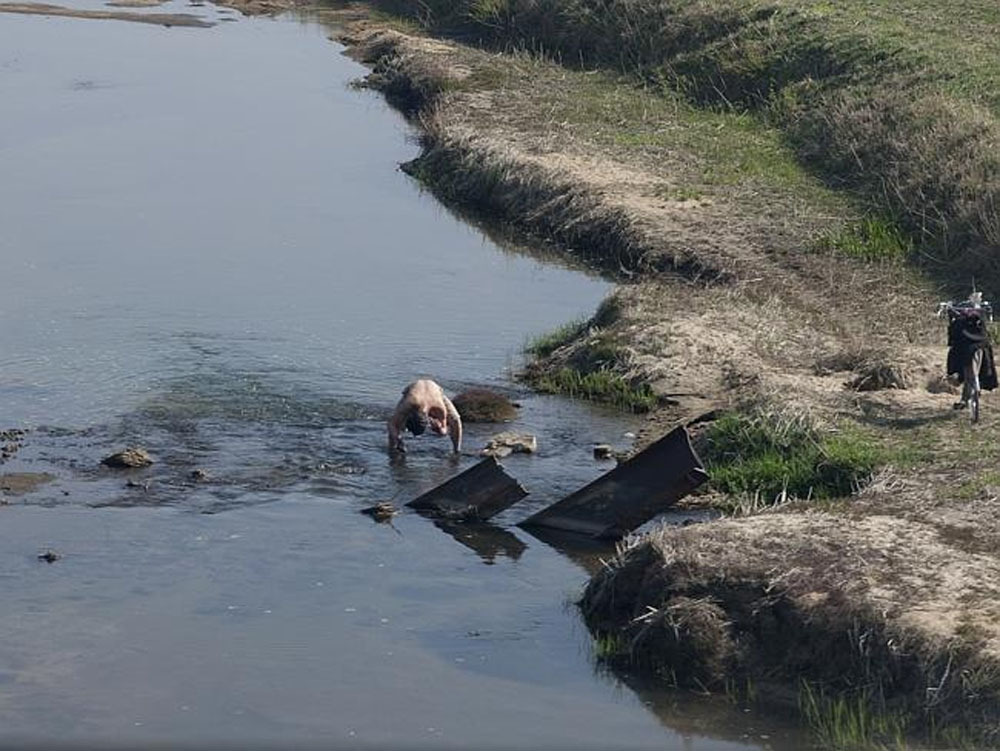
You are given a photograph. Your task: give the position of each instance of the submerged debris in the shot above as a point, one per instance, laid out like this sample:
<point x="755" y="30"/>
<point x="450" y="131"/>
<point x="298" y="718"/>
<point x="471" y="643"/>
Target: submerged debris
<point x="49" y="556"/>
<point x="479" y="492"/>
<point x="505" y="444"/>
<point x="130" y="458"/>
<point x="381" y="512"/>
<point x="631" y="494"/>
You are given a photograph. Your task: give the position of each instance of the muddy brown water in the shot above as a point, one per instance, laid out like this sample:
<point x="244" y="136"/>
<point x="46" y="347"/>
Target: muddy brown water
<point x="206" y="249"/>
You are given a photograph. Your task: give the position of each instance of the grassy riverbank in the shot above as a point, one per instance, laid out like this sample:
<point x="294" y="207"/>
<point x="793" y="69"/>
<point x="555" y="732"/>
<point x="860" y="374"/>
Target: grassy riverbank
<point x="767" y="286"/>
<point x="784" y="190"/>
<point x="897" y="102"/>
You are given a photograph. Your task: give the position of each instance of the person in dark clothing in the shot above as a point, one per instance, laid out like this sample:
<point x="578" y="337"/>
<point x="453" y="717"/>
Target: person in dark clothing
<point x="970" y="353"/>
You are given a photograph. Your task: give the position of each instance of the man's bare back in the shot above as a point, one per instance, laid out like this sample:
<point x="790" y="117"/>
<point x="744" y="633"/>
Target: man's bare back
<point x="424" y="405"/>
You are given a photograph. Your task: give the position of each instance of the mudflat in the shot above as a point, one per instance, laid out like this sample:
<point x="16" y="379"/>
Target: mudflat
<point x="19" y="483"/>
<point x="157" y="19"/>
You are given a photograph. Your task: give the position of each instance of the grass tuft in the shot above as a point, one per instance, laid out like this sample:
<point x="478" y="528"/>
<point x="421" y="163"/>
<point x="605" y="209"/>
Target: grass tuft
<point x="872" y="239"/>
<point x="599" y="386"/>
<point x="850" y="722"/>
<point x="610" y="646"/>
<point x="544" y="345"/>
<point x="772" y="455"/>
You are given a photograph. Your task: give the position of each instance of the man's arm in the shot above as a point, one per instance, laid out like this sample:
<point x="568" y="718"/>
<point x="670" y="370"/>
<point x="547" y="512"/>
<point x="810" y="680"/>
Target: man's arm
<point x="396" y="423"/>
<point x="454" y="424"/>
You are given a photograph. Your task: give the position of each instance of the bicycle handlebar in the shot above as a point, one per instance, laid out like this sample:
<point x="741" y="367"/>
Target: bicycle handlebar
<point x="953" y="308"/>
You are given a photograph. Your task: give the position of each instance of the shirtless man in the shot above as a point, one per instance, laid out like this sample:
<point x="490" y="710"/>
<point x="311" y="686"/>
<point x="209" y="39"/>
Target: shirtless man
<point x="424" y="405"/>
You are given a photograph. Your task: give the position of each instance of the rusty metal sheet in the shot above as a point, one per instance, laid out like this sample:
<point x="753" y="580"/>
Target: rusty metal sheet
<point x="482" y="491"/>
<point x="629" y="495"/>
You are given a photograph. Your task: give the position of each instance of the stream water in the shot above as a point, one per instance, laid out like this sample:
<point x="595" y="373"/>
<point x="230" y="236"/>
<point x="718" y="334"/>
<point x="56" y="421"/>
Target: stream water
<point x="207" y="249"/>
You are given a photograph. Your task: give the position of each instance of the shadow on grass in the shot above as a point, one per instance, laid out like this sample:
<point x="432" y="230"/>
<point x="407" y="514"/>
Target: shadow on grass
<point x="881" y="416"/>
<point x="908" y="422"/>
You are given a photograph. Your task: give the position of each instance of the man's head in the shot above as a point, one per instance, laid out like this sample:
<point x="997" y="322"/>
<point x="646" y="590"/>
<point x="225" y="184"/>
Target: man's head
<point x="416" y="422"/>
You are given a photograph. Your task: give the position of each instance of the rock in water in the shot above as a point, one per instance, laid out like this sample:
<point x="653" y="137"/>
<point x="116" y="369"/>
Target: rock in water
<point x="483" y="405"/>
<point x="130" y="458"/>
<point x="603" y="451"/>
<point x="505" y="444"/>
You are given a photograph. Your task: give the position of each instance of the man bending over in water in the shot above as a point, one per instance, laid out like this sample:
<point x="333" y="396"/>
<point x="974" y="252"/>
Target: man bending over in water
<point x="424" y="405"/>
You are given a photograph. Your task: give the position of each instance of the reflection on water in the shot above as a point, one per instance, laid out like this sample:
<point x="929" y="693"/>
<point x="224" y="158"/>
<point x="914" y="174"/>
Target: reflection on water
<point x="487" y="540"/>
<point x="207" y="251"/>
<point x="586" y="552"/>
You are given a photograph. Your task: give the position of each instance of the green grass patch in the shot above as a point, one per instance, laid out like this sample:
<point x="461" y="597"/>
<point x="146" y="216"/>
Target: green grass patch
<point x="872" y="239"/>
<point x="680" y="193"/>
<point x="545" y="344"/>
<point x="740" y="691"/>
<point x="599" y="386"/>
<point x="734" y="149"/>
<point x="397" y="21"/>
<point x="978" y="486"/>
<point x="600" y="353"/>
<point x="770" y="455"/>
<point x="609" y="646"/>
<point x="957" y="738"/>
<point x="850" y="722"/>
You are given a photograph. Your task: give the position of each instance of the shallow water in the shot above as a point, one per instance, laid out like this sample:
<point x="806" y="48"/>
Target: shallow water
<point x="207" y="249"/>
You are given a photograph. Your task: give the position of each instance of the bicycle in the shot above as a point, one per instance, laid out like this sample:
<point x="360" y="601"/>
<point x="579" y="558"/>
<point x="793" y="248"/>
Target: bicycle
<point x="968" y="347"/>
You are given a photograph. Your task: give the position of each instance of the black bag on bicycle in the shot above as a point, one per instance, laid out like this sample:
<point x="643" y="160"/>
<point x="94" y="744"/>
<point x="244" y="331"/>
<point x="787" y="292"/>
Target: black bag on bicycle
<point x="966" y="334"/>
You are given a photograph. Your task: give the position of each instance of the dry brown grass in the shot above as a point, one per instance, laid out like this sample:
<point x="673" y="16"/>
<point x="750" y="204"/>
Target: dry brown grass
<point x="871" y="604"/>
<point x="898" y="102"/>
<point x="929" y="160"/>
<point x="872" y="369"/>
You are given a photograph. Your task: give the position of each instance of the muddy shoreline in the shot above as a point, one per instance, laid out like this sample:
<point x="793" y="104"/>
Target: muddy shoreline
<point x="705" y="281"/>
